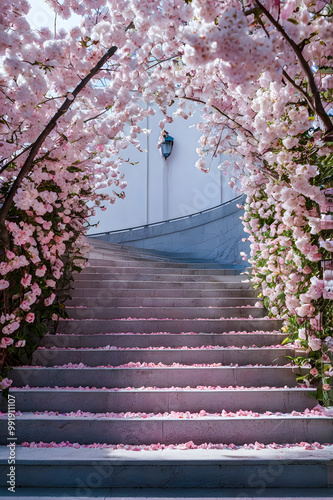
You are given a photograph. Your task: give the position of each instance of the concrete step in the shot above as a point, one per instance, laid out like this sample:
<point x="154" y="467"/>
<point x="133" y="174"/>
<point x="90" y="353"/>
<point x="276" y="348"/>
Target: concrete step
<point x="99" y="270"/>
<point x="117" y="248"/>
<point x="250" y="376"/>
<point x="160" y="292"/>
<point x="173" y="278"/>
<point x="171" y="493"/>
<point x="124" y="258"/>
<point x="238" y="339"/>
<point x="121" y="251"/>
<point x="154" y="401"/>
<point x="94" y="311"/>
<point x="134" y="285"/>
<point x="115" y="357"/>
<point x="126" y="251"/>
<point x="89" y="470"/>
<point x="140" y="256"/>
<point x="160" y="302"/>
<point x="150" y="255"/>
<point x="136" y="430"/>
<point x="110" y="261"/>
<point x="91" y="326"/>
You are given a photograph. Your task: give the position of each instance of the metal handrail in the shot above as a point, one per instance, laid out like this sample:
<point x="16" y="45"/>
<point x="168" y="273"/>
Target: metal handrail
<point x="143" y="226"/>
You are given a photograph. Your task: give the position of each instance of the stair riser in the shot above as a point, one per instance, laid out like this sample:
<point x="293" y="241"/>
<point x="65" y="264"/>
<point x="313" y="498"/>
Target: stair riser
<point x="141" y="254"/>
<point x="111" y="301"/>
<point x="154" y="377"/>
<point x="173" y="278"/>
<point x="148" y="255"/>
<point x="139" y="294"/>
<point x="160" y="401"/>
<point x="116" y="250"/>
<point x="186" y="357"/>
<point x="152" y="340"/>
<point x="160" y="264"/>
<point x="148" y="258"/>
<point x="127" y="256"/>
<point x="96" y="311"/>
<point x="172" y="326"/>
<point x="135" y="285"/>
<point x="86" y="477"/>
<point x="169" y="431"/>
<point x="130" y="261"/>
<point x="143" y="271"/>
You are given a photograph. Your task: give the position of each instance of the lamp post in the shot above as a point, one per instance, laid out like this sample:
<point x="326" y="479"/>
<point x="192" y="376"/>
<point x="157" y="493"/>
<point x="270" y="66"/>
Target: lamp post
<point x="166" y="149"/>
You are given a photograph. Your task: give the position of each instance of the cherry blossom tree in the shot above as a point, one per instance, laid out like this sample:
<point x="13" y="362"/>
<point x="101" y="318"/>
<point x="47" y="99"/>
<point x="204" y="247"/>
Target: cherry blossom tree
<point x="263" y="72"/>
<point x="64" y="99"/>
<point x="72" y="101"/>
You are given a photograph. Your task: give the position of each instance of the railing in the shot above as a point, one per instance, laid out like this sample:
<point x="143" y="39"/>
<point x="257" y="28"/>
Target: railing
<point x="154" y="224"/>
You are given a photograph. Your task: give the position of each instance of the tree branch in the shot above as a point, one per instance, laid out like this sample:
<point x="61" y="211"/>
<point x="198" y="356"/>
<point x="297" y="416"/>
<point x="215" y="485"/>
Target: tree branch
<point x="299" y="88"/>
<point x="47" y="130"/>
<point x="97" y="116"/>
<point x="219" y="111"/>
<point x="317" y="104"/>
<point x="3" y="168"/>
<point x="164" y="60"/>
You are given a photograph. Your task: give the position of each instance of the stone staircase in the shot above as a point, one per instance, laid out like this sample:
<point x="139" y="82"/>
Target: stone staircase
<point x="165" y="355"/>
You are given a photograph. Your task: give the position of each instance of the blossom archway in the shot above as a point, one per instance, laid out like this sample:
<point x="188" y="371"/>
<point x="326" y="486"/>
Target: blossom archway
<point x="262" y="72"/>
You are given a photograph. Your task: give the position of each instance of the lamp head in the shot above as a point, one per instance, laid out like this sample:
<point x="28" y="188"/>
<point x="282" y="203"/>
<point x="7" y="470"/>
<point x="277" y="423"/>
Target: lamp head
<point x="167" y="145"/>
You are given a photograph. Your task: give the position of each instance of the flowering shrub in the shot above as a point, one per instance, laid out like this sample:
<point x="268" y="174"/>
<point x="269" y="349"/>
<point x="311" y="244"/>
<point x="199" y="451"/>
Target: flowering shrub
<point x="286" y="253"/>
<point x="46" y="246"/>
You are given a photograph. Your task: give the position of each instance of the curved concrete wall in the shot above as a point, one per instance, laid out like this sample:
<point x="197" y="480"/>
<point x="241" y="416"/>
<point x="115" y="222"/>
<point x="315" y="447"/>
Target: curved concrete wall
<point x="160" y="189"/>
<point x="213" y="235"/>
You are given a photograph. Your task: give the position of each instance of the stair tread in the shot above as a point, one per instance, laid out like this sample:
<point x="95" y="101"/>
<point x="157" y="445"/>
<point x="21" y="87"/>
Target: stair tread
<point x="159" y="368"/>
<point x="94" y="417"/>
<point x="68" y="455"/>
<point x="172" y="349"/>
<point x="163" y="389"/>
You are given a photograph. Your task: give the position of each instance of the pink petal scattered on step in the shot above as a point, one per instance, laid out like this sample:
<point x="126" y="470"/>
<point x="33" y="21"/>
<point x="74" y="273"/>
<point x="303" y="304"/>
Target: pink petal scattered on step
<point x="181" y="446"/>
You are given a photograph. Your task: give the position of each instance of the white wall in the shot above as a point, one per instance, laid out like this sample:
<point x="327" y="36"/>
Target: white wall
<point x="160" y="189"/>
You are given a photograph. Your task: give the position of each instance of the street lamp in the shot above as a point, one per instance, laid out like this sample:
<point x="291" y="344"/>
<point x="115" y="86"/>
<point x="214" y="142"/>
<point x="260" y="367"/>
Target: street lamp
<point x="167" y="145"/>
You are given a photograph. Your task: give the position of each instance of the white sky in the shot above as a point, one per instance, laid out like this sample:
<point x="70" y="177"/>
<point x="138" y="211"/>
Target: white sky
<point x="41" y="15"/>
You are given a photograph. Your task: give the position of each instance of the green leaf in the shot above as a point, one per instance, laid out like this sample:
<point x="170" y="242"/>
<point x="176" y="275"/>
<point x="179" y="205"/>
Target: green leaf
<point x="5" y="393"/>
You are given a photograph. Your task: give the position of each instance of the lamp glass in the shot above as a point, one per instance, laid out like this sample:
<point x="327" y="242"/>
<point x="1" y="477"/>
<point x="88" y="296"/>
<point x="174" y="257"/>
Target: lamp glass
<point x="166" y="148"/>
